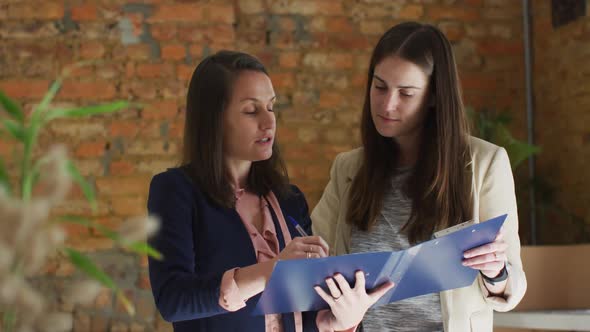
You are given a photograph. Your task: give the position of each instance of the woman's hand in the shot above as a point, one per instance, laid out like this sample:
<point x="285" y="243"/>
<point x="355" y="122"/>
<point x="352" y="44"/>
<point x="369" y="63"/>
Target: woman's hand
<point x="490" y="258"/>
<point x="349" y="305"/>
<point x="305" y="247"/>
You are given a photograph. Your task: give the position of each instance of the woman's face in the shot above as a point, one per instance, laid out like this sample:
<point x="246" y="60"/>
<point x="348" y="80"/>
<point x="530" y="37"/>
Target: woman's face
<point x="399" y="94"/>
<point x="248" y="119"/>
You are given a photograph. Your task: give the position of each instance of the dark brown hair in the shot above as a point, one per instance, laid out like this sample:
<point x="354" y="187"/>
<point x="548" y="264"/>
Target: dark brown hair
<point x="440" y="183"/>
<point x="209" y="92"/>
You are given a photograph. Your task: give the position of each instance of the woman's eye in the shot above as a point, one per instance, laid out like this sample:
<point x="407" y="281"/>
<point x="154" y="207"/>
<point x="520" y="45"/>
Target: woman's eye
<point x="378" y="87"/>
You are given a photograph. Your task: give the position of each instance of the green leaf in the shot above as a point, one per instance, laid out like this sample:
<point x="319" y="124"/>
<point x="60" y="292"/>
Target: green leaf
<point x="86" y="265"/>
<point x="126" y="303"/>
<point x="520" y="151"/>
<point x="49" y="95"/>
<point x="29" y="181"/>
<point x="4" y="180"/>
<point x="139" y="247"/>
<point x="11" y="107"/>
<point x="87" y="111"/>
<point x="15" y="129"/>
<point x="84" y="185"/>
<point x="143" y="248"/>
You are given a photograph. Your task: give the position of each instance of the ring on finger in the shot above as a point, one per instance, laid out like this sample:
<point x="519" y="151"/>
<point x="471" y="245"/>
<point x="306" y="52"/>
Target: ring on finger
<point x="308" y="254"/>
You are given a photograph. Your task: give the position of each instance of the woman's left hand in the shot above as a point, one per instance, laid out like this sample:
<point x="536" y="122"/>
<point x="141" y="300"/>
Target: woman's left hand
<point x="490" y="258"/>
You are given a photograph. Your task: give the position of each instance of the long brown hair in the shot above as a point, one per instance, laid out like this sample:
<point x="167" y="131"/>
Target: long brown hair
<point x="440" y="184"/>
<point x="209" y="92"/>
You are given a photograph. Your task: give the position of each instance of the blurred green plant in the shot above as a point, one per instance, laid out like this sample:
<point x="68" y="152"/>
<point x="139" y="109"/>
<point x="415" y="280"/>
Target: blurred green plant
<point x="493" y="126"/>
<point x="25" y="131"/>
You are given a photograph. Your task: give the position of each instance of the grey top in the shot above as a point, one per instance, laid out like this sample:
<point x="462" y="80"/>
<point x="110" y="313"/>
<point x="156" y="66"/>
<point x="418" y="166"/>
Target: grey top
<point x="422" y="313"/>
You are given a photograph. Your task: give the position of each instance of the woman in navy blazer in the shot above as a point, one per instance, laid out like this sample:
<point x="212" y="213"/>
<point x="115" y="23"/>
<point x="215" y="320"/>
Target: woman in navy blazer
<point x="211" y="253"/>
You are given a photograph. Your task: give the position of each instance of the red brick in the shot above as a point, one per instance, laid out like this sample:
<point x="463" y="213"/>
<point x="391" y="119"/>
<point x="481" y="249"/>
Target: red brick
<point x="40" y="10"/>
<point x="83" y="71"/>
<point x="330" y="99"/>
<point x="89" y="244"/>
<point x="154" y="70"/>
<point x="221" y="13"/>
<point x="289" y="59"/>
<point x="328" y="7"/>
<point x="220" y="33"/>
<point x="177" y="128"/>
<point x="92" y="50"/>
<point x="353" y="42"/>
<point x="133" y="52"/>
<point x="104" y="299"/>
<point x="23" y="88"/>
<point x="121" y="167"/>
<point x="184" y="72"/>
<point x="411" y="12"/>
<point x="163" y="32"/>
<point x="453" y="13"/>
<point x="122" y="186"/>
<point x="496" y="47"/>
<point x="140" y="89"/>
<point x="340" y="61"/>
<point x="192" y="34"/>
<point x="122" y="128"/>
<point x="75" y="230"/>
<point x="183" y="12"/>
<point x="174" y="90"/>
<point x="251" y="6"/>
<point x="159" y="110"/>
<point x="90" y="149"/>
<point x="339" y="24"/>
<point x="128" y="206"/>
<point x="7" y="148"/>
<point x="84" y="12"/>
<point x="173" y="52"/>
<point x="283" y="80"/>
<point x="98" y="90"/>
<point x="143" y="282"/>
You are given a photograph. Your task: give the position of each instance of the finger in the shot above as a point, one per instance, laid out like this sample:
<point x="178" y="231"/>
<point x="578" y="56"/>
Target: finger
<point x="496" y="266"/>
<point x="324" y="246"/>
<point x="342" y="283"/>
<point x="482" y="259"/>
<point x="360" y="281"/>
<point x="486" y="249"/>
<point x="322" y="252"/>
<point x="316" y="240"/>
<point x="324" y="295"/>
<point x="336" y="293"/>
<point x="376" y="293"/>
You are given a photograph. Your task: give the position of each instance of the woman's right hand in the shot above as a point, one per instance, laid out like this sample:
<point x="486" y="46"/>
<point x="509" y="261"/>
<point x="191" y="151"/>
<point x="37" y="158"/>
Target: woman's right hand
<point x="349" y="305"/>
<point x="305" y="247"/>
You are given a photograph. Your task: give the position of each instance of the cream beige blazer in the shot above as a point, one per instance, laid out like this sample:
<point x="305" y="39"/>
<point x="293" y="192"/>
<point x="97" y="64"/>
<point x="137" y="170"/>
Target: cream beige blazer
<point x="464" y="309"/>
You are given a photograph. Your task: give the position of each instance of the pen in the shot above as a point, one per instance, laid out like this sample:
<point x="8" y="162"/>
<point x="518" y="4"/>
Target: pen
<point x="297" y="226"/>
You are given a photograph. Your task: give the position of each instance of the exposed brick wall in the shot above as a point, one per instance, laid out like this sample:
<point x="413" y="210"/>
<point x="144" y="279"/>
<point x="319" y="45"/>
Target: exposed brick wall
<point x="317" y="53"/>
<point x="562" y="100"/>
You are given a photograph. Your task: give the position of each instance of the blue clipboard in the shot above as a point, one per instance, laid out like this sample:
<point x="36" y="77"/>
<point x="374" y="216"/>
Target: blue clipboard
<point x="429" y="267"/>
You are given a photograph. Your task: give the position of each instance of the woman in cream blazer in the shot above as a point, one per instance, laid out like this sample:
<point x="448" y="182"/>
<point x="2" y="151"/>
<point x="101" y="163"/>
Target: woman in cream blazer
<point x="402" y="104"/>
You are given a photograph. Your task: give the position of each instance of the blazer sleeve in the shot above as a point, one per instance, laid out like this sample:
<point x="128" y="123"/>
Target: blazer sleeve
<point x="325" y="214"/>
<point x="179" y="293"/>
<point x="497" y="197"/>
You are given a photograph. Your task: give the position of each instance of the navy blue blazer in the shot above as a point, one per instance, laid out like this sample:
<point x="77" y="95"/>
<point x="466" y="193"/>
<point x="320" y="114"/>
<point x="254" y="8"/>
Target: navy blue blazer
<point x="200" y="240"/>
